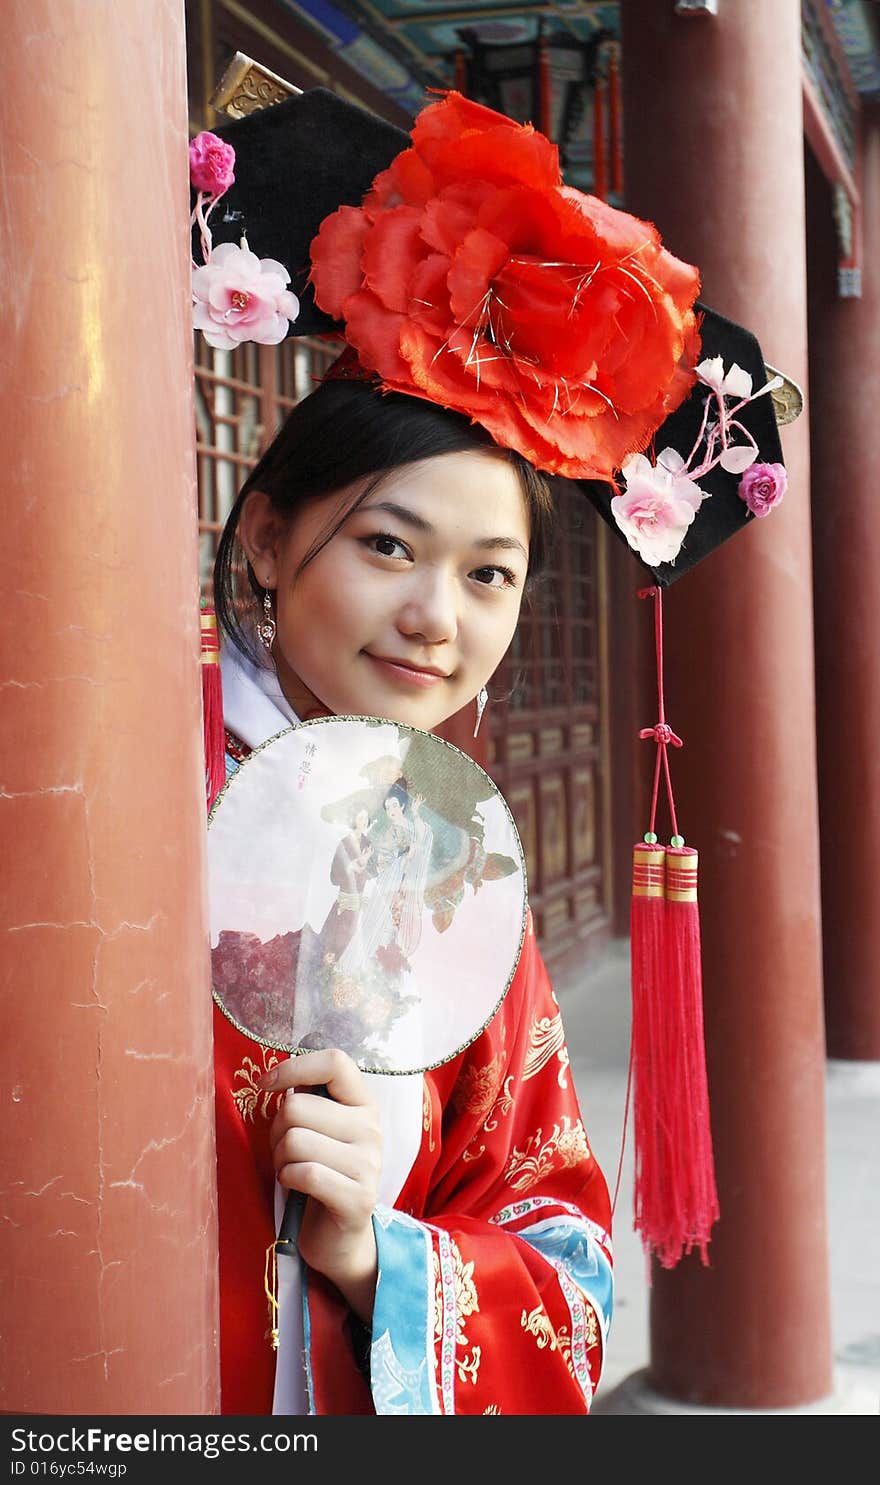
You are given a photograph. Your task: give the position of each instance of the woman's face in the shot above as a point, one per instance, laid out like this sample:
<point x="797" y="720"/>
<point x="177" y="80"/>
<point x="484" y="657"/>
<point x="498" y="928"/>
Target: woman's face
<point x="408" y="609"/>
<point x="393" y="809"/>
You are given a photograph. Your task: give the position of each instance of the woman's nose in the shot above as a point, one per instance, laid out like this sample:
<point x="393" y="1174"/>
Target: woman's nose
<point x="430" y="611"/>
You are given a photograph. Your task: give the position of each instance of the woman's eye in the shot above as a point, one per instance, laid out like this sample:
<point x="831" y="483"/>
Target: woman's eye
<point x="387" y="546"/>
<point x="495" y="577"/>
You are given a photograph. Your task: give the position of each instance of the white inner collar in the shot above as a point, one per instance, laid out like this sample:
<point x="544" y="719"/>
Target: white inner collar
<point x="254" y="705"/>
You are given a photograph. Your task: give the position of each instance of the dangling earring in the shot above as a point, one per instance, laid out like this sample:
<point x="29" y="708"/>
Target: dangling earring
<point x="482" y="699"/>
<point x="266" y="630"/>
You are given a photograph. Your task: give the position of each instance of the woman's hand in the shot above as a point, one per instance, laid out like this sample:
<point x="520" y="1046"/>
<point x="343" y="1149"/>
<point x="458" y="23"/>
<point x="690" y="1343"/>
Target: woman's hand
<point x="331" y="1150"/>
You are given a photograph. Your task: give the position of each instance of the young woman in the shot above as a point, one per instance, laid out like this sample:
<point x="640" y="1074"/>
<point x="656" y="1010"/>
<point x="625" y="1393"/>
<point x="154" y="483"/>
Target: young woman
<point x="498" y="322"/>
<point x="454" y="1252"/>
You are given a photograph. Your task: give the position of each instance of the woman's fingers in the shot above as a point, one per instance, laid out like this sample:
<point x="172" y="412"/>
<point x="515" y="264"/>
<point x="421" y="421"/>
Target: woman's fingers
<point x="328" y="1068"/>
<point x="330" y="1150"/>
<point x="338" y="1193"/>
<point x="298" y="1148"/>
<point x="338" y="1121"/>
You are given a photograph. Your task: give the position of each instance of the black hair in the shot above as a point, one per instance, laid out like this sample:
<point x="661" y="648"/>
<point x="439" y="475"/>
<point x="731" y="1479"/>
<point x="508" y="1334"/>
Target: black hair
<point x="342" y="432"/>
<point x="399" y="790"/>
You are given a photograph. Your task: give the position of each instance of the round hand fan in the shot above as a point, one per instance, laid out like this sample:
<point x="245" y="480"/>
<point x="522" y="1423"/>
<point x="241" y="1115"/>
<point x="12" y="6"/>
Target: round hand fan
<point x="367" y="891"/>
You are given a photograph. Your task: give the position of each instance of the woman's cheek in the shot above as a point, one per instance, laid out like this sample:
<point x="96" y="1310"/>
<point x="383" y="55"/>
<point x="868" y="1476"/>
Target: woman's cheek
<point x="497" y="630"/>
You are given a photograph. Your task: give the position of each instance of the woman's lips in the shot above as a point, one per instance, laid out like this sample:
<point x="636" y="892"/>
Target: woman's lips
<point x="407" y="675"/>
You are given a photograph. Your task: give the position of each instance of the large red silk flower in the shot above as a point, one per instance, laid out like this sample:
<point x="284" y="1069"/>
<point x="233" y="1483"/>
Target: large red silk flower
<point x="472" y="277"/>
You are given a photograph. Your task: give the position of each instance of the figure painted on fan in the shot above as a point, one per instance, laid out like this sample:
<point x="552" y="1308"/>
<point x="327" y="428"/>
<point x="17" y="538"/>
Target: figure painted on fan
<point x="349" y="871"/>
<point x="391" y="925"/>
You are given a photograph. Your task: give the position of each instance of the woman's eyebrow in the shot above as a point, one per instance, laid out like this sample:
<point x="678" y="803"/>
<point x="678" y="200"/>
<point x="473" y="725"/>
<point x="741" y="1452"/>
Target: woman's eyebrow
<point x="502" y="544"/>
<point x="418" y="523"/>
<point x="402" y="513"/>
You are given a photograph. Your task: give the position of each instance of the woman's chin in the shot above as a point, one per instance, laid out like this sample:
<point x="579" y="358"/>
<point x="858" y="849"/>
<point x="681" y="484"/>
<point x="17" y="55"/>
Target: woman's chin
<point x="423" y="711"/>
<point x="423" y="717"/>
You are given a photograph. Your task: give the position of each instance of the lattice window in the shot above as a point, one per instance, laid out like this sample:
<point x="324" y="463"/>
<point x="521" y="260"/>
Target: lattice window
<point x="547" y="753"/>
<point x="581" y="528"/>
<point x="553" y="661"/>
<point x="241" y="398"/>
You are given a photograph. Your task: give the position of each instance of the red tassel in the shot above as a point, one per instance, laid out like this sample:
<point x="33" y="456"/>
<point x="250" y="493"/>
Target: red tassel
<point x="675" y="1199"/>
<point x="647" y="910"/>
<point x="692" y="1198"/>
<point x="212" y="707"/>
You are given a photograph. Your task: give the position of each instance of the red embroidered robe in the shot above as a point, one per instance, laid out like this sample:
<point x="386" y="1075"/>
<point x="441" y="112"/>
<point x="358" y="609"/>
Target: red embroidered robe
<point x="494" y="1290"/>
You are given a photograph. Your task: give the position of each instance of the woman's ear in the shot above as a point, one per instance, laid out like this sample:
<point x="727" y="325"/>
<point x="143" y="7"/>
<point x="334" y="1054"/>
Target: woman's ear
<point x="261" y="531"/>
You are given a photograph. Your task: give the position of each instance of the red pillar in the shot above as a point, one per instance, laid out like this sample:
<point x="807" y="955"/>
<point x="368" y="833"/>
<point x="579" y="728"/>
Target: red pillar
<point x="845" y="393"/>
<point x="713" y="156"/>
<point x="107" y="1159"/>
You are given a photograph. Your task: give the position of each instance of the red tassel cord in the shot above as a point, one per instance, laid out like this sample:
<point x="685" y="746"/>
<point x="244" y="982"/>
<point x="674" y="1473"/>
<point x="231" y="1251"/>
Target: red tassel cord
<point x="212" y="707"/>
<point x="675" y="1198"/>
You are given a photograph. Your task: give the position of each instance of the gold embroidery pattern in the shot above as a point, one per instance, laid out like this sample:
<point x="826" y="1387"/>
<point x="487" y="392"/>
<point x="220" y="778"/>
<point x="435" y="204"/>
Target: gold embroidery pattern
<point x="253" y="1099"/>
<point x="428" y="1116"/>
<point x="566" y="1146"/>
<point x="466" y="1303"/>
<point x="468" y="1367"/>
<point x="492" y="1408"/>
<point x="591" y="1338"/>
<point x="538" y="1324"/>
<point x="564" y="1340"/>
<point x="477" y="1088"/>
<point x="546" y="1038"/>
<point x="503" y="1105"/>
<point x="438" y="1310"/>
<point x="466" y="1298"/>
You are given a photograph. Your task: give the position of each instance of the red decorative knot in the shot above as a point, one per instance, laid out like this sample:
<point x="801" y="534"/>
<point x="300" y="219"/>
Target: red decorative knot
<point x="662" y="733"/>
